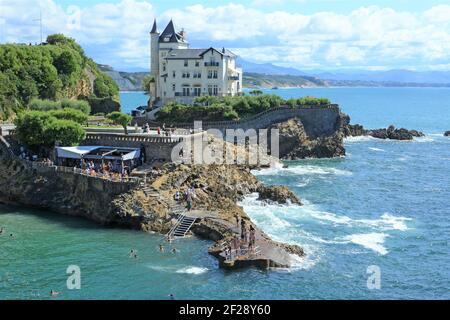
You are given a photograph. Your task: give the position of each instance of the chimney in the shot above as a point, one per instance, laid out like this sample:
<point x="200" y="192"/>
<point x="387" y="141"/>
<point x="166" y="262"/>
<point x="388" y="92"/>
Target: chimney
<point x="183" y="34"/>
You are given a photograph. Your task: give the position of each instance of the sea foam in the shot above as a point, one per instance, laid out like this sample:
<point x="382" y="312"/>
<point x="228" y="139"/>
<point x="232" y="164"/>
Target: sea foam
<point x="373" y="241"/>
<point x="192" y="270"/>
<point x="301" y="170"/>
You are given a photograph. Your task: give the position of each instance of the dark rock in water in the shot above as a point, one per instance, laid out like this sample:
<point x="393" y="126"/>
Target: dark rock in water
<point x="395" y="134"/>
<point x="279" y="194"/>
<point x="355" y="130"/>
<point x="384" y="133"/>
<point x="447" y="133"/>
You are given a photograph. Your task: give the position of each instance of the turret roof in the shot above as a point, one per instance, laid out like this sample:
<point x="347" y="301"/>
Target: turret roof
<point x="170" y="35"/>
<point x="154" y="28"/>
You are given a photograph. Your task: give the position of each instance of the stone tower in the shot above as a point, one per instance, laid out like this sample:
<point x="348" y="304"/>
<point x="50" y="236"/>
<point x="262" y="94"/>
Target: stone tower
<point x="154" y="62"/>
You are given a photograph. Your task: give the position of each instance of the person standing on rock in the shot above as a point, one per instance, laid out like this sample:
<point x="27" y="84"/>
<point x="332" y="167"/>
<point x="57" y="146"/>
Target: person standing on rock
<point x="243" y="229"/>
<point x="236" y="216"/>
<point x="189" y="199"/>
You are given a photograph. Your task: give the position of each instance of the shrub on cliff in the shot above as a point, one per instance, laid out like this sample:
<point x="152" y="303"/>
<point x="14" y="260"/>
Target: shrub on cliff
<point x="176" y="112"/>
<point x="39" y="128"/>
<point x="47" y="105"/>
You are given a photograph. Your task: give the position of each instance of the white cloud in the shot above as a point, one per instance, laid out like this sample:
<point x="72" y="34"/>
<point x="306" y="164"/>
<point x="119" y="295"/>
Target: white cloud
<point x="117" y="33"/>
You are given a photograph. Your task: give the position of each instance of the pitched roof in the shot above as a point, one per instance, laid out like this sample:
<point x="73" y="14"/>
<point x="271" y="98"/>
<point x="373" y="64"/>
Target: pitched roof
<point x="174" y="54"/>
<point x="223" y="51"/>
<point x="185" y="54"/>
<point x="170" y="34"/>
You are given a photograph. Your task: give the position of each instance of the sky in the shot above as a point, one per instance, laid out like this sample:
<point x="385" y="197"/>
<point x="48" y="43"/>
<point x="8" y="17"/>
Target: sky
<point x="304" y="34"/>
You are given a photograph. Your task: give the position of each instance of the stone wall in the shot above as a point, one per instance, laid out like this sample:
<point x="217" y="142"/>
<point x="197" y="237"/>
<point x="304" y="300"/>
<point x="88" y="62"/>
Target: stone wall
<point x="317" y="120"/>
<point x="155" y="147"/>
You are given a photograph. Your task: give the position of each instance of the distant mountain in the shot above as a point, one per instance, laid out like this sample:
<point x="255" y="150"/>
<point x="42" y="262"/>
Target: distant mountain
<point x="267" y="68"/>
<point x="127" y="81"/>
<point x="354" y="76"/>
<point x="399" y="76"/>
<point x="258" y="80"/>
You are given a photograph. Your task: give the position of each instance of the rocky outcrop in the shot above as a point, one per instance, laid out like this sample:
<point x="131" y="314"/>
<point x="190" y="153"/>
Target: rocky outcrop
<point x="217" y="190"/>
<point x="447" y="133"/>
<point x="278" y="194"/>
<point x="395" y="134"/>
<point x="385" y="133"/>
<point x="294" y="143"/>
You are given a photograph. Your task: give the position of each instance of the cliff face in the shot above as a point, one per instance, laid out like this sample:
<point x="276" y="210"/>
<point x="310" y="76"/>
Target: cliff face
<point x="295" y="143"/>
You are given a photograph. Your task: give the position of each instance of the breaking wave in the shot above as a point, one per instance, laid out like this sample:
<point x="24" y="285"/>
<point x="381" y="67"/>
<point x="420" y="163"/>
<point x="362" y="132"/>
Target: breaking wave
<point x="372" y="241"/>
<point x="301" y="170"/>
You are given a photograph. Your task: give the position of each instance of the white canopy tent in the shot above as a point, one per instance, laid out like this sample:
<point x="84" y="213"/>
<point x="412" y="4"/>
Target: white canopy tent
<point x="98" y="152"/>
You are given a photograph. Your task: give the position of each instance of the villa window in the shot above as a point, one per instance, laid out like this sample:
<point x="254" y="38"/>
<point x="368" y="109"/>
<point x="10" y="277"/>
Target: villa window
<point x="210" y="74"/>
<point x="197" y="63"/>
<point x="185" y="63"/>
<point x="173" y="87"/>
<point x="210" y="90"/>
<point x="197" y="91"/>
<point x="164" y="67"/>
<point x="215" y="74"/>
<point x="173" y="74"/>
<point x="215" y="90"/>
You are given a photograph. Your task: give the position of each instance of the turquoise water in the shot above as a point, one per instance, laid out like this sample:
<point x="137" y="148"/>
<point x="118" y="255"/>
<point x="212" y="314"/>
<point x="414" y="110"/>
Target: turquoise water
<point x="385" y="204"/>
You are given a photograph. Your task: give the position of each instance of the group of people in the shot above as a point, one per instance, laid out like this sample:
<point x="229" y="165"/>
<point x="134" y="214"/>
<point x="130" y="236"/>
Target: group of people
<point x="159" y="130"/>
<point x="243" y="242"/>
<point x="105" y="169"/>
<point x="3" y="231"/>
<point x="189" y="196"/>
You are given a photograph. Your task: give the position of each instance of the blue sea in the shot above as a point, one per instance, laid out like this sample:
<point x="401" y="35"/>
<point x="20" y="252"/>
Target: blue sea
<point x="386" y="204"/>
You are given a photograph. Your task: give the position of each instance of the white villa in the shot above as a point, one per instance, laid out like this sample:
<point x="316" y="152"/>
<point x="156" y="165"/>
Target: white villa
<point x="182" y="73"/>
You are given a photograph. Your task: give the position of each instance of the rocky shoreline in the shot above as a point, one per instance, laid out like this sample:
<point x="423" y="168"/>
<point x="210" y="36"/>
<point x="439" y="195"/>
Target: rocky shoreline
<point x="384" y="133"/>
<point x="447" y="133"/>
<point x="151" y="207"/>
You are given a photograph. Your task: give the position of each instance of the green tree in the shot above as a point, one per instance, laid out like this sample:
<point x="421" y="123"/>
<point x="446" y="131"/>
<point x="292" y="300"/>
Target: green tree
<point x="70" y="114"/>
<point x="147" y="82"/>
<point x="120" y="118"/>
<point x="31" y="128"/>
<point x="39" y="128"/>
<point x="66" y="132"/>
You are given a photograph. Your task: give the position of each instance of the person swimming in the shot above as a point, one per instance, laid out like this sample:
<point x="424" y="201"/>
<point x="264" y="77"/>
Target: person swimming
<point x="54" y="293"/>
<point x="133" y="253"/>
<point x="161" y="248"/>
<point x="174" y="250"/>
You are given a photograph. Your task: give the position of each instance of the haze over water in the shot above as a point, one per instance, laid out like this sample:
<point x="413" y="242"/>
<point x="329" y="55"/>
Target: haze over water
<point x="385" y="204"/>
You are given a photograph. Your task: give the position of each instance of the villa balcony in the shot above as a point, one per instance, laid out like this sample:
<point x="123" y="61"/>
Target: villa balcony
<point x="233" y="78"/>
<point x="211" y="64"/>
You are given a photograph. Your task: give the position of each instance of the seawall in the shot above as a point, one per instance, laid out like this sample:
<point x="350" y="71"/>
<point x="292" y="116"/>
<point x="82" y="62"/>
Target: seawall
<point x="317" y="120"/>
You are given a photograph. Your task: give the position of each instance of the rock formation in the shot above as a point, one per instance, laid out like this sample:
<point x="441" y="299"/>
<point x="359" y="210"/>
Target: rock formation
<point x="447" y="133"/>
<point x="150" y="207"/>
<point x="385" y="133"/>
<point x="295" y="144"/>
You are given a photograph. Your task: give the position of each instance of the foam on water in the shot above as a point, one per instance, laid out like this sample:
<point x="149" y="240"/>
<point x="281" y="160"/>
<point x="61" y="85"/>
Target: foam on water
<point x="372" y="241"/>
<point x="192" y="270"/>
<point x="301" y="170"/>
<point x="358" y="139"/>
<point x="377" y="149"/>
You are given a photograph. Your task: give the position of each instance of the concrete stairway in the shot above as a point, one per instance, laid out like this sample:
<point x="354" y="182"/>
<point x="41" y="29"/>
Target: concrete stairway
<point x="183" y="225"/>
